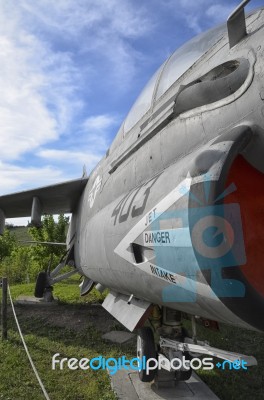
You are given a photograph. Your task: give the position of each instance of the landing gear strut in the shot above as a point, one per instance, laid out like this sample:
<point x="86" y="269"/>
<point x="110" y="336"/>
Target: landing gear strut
<point x="176" y="352"/>
<point x="163" y="322"/>
<point x="45" y="280"/>
<point x="171" y="326"/>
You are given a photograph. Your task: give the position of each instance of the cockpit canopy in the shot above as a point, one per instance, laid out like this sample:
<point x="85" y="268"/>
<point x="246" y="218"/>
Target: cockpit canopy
<point x="175" y="66"/>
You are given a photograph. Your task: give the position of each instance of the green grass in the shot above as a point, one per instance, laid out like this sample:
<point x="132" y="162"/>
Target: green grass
<point x="67" y="292"/>
<point x="44" y="338"/>
<point x="240" y="384"/>
<point x="17" y="380"/>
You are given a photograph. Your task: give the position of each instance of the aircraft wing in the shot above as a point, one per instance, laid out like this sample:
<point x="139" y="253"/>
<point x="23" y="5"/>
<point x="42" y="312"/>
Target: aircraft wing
<point x="54" y="199"/>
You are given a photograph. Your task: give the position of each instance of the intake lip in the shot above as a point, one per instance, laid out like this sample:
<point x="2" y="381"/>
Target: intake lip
<point x="232" y="200"/>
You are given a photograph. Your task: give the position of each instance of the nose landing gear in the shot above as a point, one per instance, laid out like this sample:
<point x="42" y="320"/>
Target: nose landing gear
<point x="173" y="352"/>
<point x="163" y="322"/>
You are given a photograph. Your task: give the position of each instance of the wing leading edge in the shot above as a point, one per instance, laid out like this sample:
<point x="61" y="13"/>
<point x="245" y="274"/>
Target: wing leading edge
<point x="54" y="199"/>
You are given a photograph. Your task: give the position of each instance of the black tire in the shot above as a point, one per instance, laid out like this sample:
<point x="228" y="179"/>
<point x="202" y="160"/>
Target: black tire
<point x="184" y="375"/>
<point x="40" y="284"/>
<point x="146" y="347"/>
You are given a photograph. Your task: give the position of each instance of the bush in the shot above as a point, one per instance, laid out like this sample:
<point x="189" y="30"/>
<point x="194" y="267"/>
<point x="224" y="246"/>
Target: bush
<point x="21" y="264"/>
<point x="7" y="244"/>
<point x="19" y="267"/>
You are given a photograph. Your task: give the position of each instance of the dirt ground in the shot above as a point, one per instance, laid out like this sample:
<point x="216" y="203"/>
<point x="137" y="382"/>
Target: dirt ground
<point x="73" y="317"/>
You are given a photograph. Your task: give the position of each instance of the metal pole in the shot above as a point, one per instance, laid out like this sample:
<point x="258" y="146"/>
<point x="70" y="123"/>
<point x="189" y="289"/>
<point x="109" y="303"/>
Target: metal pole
<point x="4" y="308"/>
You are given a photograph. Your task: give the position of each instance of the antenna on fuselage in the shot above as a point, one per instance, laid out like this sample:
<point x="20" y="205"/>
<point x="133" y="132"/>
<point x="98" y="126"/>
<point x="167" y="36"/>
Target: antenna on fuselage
<point x="84" y="175"/>
<point x="236" y="24"/>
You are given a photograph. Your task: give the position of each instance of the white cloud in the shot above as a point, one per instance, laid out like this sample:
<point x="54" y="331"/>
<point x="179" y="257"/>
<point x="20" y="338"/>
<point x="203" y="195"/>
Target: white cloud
<point x="24" y="119"/>
<point x="41" y="79"/>
<point x="92" y="138"/>
<point x="72" y="17"/>
<point x="42" y="83"/>
<point x="18" y="221"/>
<point x="37" y="91"/>
<point x="198" y="13"/>
<point x="94" y="132"/>
<point x="103" y="27"/>
<point x="78" y="158"/>
<point x="219" y="12"/>
<point x="15" y="178"/>
<point x="99" y="122"/>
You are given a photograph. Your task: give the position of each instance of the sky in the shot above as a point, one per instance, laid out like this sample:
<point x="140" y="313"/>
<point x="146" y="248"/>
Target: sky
<point x="70" y="70"/>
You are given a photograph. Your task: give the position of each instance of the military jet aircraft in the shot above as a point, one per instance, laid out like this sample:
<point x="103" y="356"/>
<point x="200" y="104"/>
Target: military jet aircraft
<point x="171" y="219"/>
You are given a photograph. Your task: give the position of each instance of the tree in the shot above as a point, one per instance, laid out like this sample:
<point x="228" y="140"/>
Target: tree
<point x="7" y="244"/>
<point x="19" y="267"/>
<point x="50" y="231"/>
